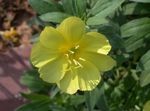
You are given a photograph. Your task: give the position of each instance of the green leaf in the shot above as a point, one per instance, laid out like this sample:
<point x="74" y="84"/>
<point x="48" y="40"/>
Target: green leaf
<point x="96" y="97"/>
<point x="136" y="9"/>
<point x="143" y="1"/>
<point x="136" y="32"/>
<point x="42" y="6"/>
<point x="68" y="6"/>
<point x="97" y="21"/>
<point x="92" y="2"/>
<point x="112" y="32"/>
<point x="145" y="78"/>
<point x="55" y="17"/>
<point x="54" y="91"/>
<point x="35" y="96"/>
<point x="136" y="26"/>
<point x="144" y="63"/>
<point x="80" y="7"/>
<point x="133" y="43"/>
<point x="35" y="106"/>
<point x="104" y="8"/>
<point x="145" y="69"/>
<point x="32" y="80"/>
<point x="88" y="101"/>
<point x="77" y="99"/>
<point x="102" y="101"/>
<point x="75" y="7"/>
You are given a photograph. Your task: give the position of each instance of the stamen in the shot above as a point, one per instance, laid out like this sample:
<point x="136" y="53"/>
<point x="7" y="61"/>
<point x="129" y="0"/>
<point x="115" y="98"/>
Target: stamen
<point x="67" y="55"/>
<point x="78" y="67"/>
<point x="79" y="64"/>
<point x="82" y="59"/>
<point x="76" y="47"/>
<point x="69" y="61"/>
<point x="71" y="51"/>
<point x="71" y="56"/>
<point x="76" y="62"/>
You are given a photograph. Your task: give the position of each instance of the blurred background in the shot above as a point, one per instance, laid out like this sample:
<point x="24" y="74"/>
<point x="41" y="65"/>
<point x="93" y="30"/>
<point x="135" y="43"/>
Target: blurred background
<point x="15" y="45"/>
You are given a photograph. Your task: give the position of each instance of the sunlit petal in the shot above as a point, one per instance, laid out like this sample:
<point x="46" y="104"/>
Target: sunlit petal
<point x="88" y="76"/>
<point x="95" y="42"/>
<point x="102" y="62"/>
<point x="69" y="83"/>
<point x="40" y="55"/>
<point x="54" y="70"/>
<point x="82" y="78"/>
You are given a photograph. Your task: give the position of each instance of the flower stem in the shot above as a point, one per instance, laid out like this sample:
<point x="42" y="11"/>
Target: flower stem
<point x="88" y="100"/>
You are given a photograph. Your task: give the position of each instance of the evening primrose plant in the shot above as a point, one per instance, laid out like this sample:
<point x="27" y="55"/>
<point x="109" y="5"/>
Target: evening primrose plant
<point x="71" y="57"/>
<point x="91" y="55"/>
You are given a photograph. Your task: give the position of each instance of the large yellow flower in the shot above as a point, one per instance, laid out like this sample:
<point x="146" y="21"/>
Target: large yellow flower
<point x="70" y="57"/>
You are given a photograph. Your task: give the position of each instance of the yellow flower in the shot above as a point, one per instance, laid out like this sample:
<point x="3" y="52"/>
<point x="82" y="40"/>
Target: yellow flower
<point x="9" y="33"/>
<point x="70" y="57"/>
<point x="147" y="106"/>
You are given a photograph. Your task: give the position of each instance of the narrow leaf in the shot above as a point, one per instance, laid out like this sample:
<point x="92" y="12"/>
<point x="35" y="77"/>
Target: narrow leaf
<point x="143" y="1"/>
<point x="81" y="7"/>
<point x="96" y="21"/>
<point x="136" y="9"/>
<point x="68" y="6"/>
<point x="55" y="17"/>
<point x="41" y="6"/>
<point x="136" y="32"/>
<point x="145" y="78"/>
<point x="105" y="7"/>
<point x="144" y="66"/>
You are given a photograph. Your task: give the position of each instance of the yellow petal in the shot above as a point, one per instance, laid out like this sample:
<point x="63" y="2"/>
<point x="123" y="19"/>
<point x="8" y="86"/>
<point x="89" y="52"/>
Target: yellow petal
<point x="54" y="71"/>
<point x="95" y="42"/>
<point x="51" y="38"/>
<point x="102" y="62"/>
<point x="88" y="76"/>
<point x="69" y="83"/>
<point x="40" y="55"/>
<point x="147" y="106"/>
<point x="72" y="28"/>
<point x="84" y="78"/>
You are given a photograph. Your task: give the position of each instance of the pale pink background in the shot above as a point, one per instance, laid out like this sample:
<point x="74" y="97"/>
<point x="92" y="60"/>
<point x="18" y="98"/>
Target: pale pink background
<point x="12" y="65"/>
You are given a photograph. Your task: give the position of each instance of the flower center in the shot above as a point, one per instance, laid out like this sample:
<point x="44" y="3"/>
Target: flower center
<point x="72" y="55"/>
<point x="73" y="50"/>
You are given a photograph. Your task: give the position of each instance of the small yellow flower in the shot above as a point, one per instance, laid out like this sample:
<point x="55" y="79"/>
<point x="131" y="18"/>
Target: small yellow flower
<point x="70" y="57"/>
<point x="9" y="33"/>
<point x="147" y="106"/>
